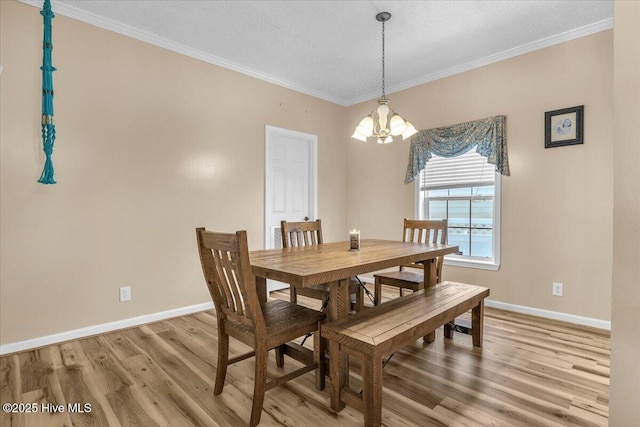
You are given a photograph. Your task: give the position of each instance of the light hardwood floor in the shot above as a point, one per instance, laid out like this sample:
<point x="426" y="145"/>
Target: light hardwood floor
<point x="530" y="372"/>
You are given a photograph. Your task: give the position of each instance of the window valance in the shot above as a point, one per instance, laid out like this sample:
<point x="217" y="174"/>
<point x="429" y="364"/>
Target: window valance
<point x="487" y="135"/>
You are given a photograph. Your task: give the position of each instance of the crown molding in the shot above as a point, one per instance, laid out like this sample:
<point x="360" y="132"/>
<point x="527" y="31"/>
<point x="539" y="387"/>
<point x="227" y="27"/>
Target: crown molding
<point x="576" y="33"/>
<point x="126" y="30"/>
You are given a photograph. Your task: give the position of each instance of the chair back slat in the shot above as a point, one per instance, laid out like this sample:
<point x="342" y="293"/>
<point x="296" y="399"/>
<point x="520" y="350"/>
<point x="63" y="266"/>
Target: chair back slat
<point x="226" y="266"/>
<point x="227" y="271"/>
<point x="301" y="233"/>
<point x="427" y="231"/>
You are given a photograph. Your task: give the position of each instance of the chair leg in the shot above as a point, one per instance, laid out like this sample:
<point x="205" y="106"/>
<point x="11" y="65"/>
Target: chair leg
<point x="377" y="291"/>
<point x="359" y="299"/>
<point x="280" y="356"/>
<point x="318" y="357"/>
<point x="259" y="385"/>
<point x="223" y="359"/>
<point x="448" y="330"/>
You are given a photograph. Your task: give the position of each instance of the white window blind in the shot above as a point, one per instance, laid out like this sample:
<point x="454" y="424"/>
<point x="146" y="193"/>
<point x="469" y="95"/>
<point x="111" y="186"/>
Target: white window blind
<point x="469" y="169"/>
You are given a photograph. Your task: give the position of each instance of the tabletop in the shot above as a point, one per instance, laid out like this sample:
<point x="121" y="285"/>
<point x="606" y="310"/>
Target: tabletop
<point x="329" y="262"/>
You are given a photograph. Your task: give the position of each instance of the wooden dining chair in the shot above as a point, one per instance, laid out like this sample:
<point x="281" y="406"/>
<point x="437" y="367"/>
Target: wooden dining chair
<point x="305" y="234"/>
<point x="413" y="230"/>
<point x="262" y="326"/>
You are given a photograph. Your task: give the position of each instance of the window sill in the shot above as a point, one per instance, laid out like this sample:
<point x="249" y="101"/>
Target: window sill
<point x="472" y="263"/>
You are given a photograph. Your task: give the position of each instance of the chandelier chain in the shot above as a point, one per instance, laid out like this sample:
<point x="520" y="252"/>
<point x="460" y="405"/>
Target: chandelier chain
<point x="383" y="93"/>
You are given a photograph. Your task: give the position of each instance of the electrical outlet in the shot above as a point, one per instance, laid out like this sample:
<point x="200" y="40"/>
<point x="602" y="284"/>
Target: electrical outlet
<point x="125" y="294"/>
<point x="557" y="289"/>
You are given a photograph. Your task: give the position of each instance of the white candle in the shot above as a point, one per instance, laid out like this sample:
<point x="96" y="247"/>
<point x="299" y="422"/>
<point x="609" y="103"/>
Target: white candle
<point x="354" y="240"/>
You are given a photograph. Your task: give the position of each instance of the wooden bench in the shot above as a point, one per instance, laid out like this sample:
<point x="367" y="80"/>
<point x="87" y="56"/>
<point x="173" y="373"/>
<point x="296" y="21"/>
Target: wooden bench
<point x="379" y="331"/>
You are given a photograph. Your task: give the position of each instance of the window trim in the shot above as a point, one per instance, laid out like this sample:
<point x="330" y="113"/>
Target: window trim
<point x="471" y="262"/>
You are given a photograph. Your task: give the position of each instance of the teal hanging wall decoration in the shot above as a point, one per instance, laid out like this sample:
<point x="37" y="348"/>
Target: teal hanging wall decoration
<point x="48" y="126"/>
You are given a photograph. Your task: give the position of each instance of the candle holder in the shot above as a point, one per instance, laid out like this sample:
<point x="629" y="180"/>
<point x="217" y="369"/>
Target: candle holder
<point x="354" y="240"/>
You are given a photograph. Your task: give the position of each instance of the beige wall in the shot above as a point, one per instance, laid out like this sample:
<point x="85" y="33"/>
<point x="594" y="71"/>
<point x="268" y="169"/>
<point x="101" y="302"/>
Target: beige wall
<point x="139" y="129"/>
<point x="625" y="351"/>
<point x="136" y="123"/>
<point x="557" y="203"/>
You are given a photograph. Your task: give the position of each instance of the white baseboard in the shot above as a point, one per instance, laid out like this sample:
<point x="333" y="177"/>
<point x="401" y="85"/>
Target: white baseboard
<point x="155" y="317"/>
<point x="102" y="328"/>
<point x="548" y="314"/>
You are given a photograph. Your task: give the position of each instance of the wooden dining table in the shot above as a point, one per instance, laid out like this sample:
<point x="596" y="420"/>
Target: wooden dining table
<point x="334" y="264"/>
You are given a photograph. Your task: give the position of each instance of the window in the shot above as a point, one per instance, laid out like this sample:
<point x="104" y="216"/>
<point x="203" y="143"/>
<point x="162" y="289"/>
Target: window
<point x="466" y="191"/>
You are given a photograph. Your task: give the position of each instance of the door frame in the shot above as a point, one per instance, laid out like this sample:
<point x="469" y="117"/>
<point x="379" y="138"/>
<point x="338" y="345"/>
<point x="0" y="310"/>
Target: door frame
<point x="270" y="132"/>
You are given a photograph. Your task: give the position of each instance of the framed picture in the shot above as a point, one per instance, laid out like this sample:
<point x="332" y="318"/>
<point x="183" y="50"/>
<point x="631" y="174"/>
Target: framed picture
<point x="564" y="127"/>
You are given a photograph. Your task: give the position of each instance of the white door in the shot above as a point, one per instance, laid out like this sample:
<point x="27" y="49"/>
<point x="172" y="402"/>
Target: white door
<point x="290" y="183"/>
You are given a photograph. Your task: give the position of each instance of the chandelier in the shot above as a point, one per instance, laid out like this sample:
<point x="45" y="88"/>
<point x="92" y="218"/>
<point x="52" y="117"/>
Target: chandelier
<point x="383" y="123"/>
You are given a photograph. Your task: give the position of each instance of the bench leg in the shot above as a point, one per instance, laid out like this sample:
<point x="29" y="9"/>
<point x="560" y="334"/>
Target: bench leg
<point x="372" y="390"/>
<point x="477" y="320"/>
<point x="429" y="281"/>
<point x="339" y="300"/>
<point x="337" y="382"/>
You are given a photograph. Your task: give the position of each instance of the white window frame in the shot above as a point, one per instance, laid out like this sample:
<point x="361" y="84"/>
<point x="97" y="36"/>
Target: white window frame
<point x="468" y="261"/>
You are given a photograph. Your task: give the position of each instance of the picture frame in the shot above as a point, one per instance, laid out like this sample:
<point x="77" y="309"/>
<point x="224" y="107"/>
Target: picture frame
<point x="564" y="127"/>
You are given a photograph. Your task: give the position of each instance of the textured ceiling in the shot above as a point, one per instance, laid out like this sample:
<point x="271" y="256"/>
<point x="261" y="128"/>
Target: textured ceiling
<point x="332" y="49"/>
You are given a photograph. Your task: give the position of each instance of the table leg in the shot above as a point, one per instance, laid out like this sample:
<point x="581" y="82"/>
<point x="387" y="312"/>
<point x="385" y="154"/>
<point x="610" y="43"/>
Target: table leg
<point x="339" y="300"/>
<point x="430" y="271"/>
<point x="429" y="281"/>
<point x="334" y="369"/>
<point x="261" y="287"/>
<point x="339" y="303"/>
